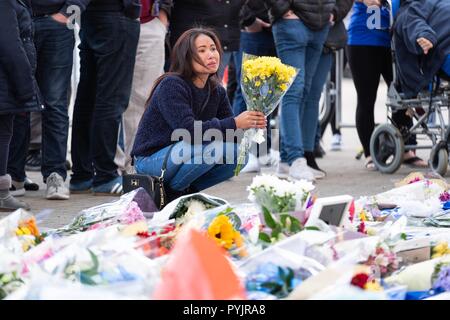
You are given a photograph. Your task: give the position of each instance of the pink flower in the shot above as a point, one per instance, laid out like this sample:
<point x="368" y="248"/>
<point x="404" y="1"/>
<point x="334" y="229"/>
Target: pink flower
<point x="416" y="179"/>
<point x="132" y="214"/>
<point x="444" y="197"/>
<point x="97" y="226"/>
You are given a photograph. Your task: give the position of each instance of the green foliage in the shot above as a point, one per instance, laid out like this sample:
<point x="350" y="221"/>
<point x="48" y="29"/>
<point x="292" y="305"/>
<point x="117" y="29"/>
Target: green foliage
<point x="281" y="225"/>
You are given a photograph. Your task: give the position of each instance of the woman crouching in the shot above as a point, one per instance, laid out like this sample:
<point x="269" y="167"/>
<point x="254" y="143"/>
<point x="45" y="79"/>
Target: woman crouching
<point x="190" y="102"/>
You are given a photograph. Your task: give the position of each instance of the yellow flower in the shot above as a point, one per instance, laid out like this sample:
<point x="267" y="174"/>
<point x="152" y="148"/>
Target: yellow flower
<point x="268" y="69"/>
<point x="373" y="286"/>
<point x="362" y="216"/>
<point x="440" y="250"/>
<point x="222" y="231"/>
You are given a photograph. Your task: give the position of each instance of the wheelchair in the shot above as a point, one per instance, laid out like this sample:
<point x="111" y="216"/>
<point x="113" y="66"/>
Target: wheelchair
<point x="387" y="143"/>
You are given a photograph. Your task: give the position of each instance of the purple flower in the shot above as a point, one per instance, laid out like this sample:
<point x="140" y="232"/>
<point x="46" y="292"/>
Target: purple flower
<point x="443" y="279"/>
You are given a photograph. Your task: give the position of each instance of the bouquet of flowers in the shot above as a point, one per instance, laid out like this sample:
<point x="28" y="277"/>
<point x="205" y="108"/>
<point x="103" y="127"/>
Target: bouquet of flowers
<point x="19" y="232"/>
<point x="279" y="195"/>
<point x="383" y="260"/>
<point x="277" y="198"/>
<point x="159" y="240"/>
<point x="264" y="81"/>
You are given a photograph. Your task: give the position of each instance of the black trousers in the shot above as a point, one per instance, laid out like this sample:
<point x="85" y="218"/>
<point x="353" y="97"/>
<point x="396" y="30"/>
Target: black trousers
<point x="6" y="131"/>
<point x="368" y="64"/>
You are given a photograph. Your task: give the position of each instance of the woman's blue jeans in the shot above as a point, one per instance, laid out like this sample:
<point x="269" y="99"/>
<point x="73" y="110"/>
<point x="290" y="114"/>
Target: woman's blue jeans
<point x="299" y="47"/>
<point x="199" y="166"/>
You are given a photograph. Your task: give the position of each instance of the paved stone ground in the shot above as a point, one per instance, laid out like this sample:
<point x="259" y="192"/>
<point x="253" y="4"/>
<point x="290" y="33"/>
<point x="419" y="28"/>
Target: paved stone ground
<point x="345" y="174"/>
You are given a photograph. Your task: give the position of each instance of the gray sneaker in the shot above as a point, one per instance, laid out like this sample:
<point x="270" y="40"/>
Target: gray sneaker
<point x="56" y="189"/>
<point x="9" y="203"/>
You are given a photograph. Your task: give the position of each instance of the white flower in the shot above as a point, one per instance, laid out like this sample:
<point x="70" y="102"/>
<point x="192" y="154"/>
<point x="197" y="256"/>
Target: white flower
<point x="273" y="186"/>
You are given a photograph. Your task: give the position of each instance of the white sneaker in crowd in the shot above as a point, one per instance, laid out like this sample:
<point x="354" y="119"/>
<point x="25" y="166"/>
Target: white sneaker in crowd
<point x="270" y="159"/>
<point x="282" y="170"/>
<point x="56" y="189"/>
<point x="299" y="170"/>
<point x="336" y="142"/>
<point x="252" y="164"/>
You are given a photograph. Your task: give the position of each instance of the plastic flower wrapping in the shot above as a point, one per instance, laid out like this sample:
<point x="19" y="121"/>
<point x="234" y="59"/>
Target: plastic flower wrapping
<point x="264" y="82"/>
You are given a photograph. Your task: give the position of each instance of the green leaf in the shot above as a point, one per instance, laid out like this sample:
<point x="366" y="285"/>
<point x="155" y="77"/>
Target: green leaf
<point x="403" y="236"/>
<point x="312" y="228"/>
<point x="264" y="237"/>
<point x="270" y="222"/>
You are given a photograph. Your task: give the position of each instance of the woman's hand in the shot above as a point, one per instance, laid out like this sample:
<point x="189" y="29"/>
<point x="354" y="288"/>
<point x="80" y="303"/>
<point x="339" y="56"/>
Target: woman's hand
<point x="251" y="119"/>
<point x="425" y="44"/>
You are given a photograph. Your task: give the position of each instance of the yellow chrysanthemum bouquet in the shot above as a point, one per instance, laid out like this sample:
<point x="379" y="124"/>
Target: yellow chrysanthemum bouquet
<point x="264" y="81"/>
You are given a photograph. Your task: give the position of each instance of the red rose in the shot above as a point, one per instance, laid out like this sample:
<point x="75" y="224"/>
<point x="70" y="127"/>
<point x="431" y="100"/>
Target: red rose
<point x="360" y="280"/>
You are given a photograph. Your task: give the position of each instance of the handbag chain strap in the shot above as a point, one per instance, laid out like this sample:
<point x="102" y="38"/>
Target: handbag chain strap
<point x="164" y="166"/>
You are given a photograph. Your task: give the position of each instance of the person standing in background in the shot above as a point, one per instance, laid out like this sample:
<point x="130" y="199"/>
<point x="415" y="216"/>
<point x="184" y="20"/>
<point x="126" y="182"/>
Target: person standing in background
<point x="54" y="43"/>
<point x="337" y="39"/>
<point x="148" y="67"/>
<point x="300" y="28"/>
<point x="19" y="92"/>
<point x="256" y="39"/>
<point x="369" y="56"/>
<point x="109" y="36"/>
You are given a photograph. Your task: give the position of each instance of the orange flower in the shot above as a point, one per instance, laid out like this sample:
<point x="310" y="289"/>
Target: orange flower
<point x="30" y="224"/>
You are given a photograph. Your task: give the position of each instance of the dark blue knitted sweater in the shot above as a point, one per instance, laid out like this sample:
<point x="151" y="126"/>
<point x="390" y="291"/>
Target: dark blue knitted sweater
<point x="175" y="104"/>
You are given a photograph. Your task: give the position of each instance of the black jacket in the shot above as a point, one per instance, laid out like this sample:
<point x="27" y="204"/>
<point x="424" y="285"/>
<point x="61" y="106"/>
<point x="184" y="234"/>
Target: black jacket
<point x="221" y="15"/>
<point x="315" y="14"/>
<point x="253" y="9"/>
<point x="18" y="88"/>
<point x="421" y="18"/>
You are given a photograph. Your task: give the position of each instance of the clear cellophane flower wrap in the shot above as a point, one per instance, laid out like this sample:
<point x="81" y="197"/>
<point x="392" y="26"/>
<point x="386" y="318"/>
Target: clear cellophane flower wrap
<point x="264" y="81"/>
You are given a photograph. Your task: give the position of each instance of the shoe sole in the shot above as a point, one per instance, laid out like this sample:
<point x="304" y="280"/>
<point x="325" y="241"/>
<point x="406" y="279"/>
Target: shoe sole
<point x="18" y="193"/>
<point x="57" y="197"/>
<point x="295" y="179"/>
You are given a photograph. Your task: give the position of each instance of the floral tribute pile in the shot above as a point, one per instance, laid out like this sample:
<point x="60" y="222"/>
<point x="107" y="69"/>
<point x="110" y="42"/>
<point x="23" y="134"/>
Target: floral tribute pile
<point x="394" y="246"/>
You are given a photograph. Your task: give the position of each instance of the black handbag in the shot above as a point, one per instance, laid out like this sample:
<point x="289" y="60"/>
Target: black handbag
<point x="154" y="185"/>
<point x="337" y="37"/>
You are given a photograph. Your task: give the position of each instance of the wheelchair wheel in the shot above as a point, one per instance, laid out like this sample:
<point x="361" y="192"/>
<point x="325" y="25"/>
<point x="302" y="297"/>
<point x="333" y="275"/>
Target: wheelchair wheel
<point x="439" y="158"/>
<point x="387" y="148"/>
<point x="447" y="139"/>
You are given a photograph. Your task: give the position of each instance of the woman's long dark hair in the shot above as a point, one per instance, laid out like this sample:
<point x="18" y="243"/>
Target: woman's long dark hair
<point x="184" y="53"/>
